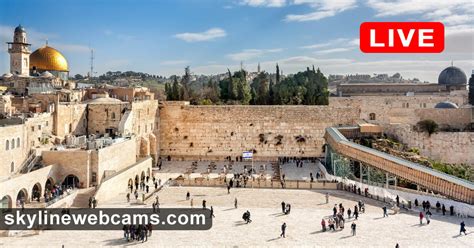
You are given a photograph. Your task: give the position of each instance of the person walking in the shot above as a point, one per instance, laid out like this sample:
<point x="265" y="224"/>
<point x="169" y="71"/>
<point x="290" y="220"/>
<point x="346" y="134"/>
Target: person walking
<point x="463" y="228"/>
<point x="428" y="217"/>
<point x="421" y="218"/>
<point x="323" y="225"/>
<point x="203" y="204"/>
<point x="385" y="211"/>
<point x="188" y="195"/>
<point x="283" y="230"/>
<point x="283" y="207"/>
<point x="356" y="212"/>
<point x="353" y="228"/>
<point x="235" y="202"/>
<point x="443" y="209"/>
<point x="128" y="197"/>
<point x="327" y="198"/>
<point x="192" y="203"/>
<point x="212" y="213"/>
<point x="349" y="212"/>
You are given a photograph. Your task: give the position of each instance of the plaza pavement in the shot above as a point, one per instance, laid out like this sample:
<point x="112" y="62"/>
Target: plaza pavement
<point x="308" y="207"/>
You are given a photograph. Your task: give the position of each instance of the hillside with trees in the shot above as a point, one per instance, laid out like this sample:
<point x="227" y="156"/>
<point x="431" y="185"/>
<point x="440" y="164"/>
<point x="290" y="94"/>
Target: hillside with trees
<point x="309" y="87"/>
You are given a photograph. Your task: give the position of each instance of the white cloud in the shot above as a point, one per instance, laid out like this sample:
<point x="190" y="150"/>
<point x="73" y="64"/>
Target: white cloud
<point x="248" y="54"/>
<point x="174" y="62"/>
<point x="334" y="50"/>
<point x="210" y="34"/>
<point x="325" y="44"/>
<point x="322" y="9"/>
<point x="403" y="7"/>
<point x="264" y="3"/>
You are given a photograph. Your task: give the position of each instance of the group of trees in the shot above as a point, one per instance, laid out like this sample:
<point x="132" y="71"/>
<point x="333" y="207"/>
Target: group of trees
<point x="309" y="87"/>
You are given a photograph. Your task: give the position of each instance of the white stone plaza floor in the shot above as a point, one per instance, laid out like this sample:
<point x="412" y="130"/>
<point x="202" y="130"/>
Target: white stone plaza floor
<point x="303" y="223"/>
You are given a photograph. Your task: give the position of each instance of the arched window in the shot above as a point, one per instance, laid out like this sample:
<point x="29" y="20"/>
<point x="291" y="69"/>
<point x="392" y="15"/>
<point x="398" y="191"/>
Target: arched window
<point x="7" y="145"/>
<point x="13" y="144"/>
<point x="12" y="167"/>
<point x="113" y="115"/>
<point x="17" y="142"/>
<point x="372" y="116"/>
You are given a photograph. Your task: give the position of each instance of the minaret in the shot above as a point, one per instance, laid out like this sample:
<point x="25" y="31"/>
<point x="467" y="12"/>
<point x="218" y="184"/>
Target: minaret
<point x="258" y="68"/>
<point x="19" y="52"/>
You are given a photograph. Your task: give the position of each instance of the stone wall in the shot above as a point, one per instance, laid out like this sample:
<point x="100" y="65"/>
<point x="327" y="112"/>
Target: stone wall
<point x="394" y="109"/>
<point x="11" y="157"/>
<point x="118" y="183"/>
<point x="116" y="157"/>
<point x="70" y="119"/>
<point x="104" y="118"/>
<point x="91" y="165"/>
<point x="215" y="132"/>
<point x="448" y="118"/>
<point x="448" y="147"/>
<point x="76" y="162"/>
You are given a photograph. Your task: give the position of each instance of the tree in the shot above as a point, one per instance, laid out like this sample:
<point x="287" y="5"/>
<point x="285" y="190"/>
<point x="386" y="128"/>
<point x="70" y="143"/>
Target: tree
<point x="175" y="90"/>
<point x="271" y="94"/>
<point x="277" y="74"/>
<point x="428" y="126"/>
<point x="471" y="89"/>
<point x="78" y="77"/>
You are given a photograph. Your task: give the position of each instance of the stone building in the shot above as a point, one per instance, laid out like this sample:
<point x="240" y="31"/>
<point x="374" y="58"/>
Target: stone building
<point x="450" y="79"/>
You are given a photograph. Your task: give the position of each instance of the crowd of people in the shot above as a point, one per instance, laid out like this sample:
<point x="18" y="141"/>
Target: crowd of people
<point x="137" y="232"/>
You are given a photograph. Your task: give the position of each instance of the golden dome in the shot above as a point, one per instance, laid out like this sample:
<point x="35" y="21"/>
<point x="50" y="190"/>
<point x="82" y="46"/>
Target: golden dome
<point x="48" y="59"/>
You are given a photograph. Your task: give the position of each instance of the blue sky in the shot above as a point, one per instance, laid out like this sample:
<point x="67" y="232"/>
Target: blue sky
<point x="164" y="36"/>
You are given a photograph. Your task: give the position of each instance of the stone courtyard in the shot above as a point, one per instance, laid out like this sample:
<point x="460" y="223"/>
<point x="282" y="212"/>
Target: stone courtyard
<point x="304" y="229"/>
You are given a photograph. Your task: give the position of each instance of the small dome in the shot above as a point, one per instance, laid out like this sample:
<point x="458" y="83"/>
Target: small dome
<point x="104" y="100"/>
<point x="47" y="74"/>
<point x="20" y="29"/>
<point x="446" y="105"/>
<point x="48" y="59"/>
<point x="452" y="76"/>
<point x="7" y="75"/>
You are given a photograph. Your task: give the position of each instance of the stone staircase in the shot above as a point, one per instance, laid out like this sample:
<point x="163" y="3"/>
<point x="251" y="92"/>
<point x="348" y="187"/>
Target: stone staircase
<point x="82" y="198"/>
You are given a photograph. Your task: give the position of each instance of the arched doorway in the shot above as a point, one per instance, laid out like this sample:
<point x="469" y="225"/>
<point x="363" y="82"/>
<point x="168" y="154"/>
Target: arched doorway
<point x="49" y="184"/>
<point x="142" y="178"/>
<point x="21" y="197"/>
<point x="136" y="180"/>
<point x="71" y="181"/>
<point x="36" y="192"/>
<point x="5" y="203"/>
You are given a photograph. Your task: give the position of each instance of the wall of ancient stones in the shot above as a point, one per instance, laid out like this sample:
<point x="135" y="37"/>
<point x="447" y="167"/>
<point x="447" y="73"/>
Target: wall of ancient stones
<point x="448" y="147"/>
<point x="394" y="109"/>
<point x="215" y="132"/>
<point x="12" y="156"/>
<point x="70" y="118"/>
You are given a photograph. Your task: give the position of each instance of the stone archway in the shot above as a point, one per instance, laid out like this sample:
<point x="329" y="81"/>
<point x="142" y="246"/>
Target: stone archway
<point x="142" y="177"/>
<point x="22" y="197"/>
<point x="71" y="181"/>
<point x="49" y="184"/>
<point x="137" y="181"/>
<point x="36" y="192"/>
<point x="5" y="203"/>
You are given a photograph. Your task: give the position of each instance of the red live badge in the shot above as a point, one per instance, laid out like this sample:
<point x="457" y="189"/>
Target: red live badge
<point x="401" y="37"/>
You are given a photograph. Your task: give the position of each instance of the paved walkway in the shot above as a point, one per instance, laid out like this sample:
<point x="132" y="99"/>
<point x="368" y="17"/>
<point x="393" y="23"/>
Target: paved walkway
<point x="308" y="207"/>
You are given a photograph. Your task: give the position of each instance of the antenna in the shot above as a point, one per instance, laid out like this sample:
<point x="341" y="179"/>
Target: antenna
<point x="92" y="64"/>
